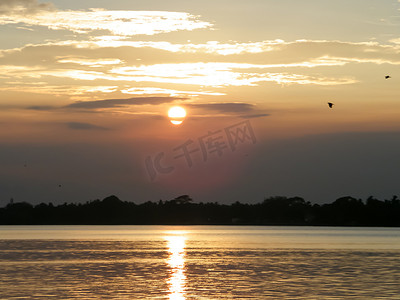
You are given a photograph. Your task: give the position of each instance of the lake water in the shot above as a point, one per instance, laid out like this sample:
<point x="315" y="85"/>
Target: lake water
<point x="199" y="262"/>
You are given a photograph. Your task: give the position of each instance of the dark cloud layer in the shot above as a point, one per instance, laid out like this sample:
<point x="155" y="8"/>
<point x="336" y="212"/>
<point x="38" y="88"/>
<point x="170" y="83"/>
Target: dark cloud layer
<point x="253" y="116"/>
<point x="234" y="107"/>
<point x="41" y="107"/>
<point x="84" y="126"/>
<point x="246" y="110"/>
<point x="111" y="103"/>
<point x="324" y="167"/>
<point x="319" y="168"/>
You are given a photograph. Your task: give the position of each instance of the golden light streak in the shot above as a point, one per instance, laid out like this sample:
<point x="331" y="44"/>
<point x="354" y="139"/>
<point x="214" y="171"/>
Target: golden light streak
<point x="176" y="262"/>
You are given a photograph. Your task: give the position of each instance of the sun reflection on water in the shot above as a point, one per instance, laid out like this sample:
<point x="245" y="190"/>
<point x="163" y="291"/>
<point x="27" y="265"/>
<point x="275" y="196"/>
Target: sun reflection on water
<point x="176" y="262"/>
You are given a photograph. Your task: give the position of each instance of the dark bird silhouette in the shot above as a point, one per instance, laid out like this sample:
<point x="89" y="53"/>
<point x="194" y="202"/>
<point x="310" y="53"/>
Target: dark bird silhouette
<point x="330" y="104"/>
<point x="59" y="185"/>
<point x="387" y="77"/>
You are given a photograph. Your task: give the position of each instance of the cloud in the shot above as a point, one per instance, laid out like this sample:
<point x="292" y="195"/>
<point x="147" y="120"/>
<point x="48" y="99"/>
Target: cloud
<point x="234" y="107"/>
<point x="16" y="7"/>
<point x="122" y="23"/>
<point x="210" y="47"/>
<point x="302" y="53"/>
<point x="395" y="41"/>
<point x="154" y="91"/>
<point x="213" y="74"/>
<point x="41" y="107"/>
<point x="91" y="62"/>
<point x="240" y="109"/>
<point x="84" y="126"/>
<point x="199" y="74"/>
<point x="75" y="68"/>
<point x="287" y="78"/>
<point x="112" y="103"/>
<point x="253" y="116"/>
<point x="74" y="91"/>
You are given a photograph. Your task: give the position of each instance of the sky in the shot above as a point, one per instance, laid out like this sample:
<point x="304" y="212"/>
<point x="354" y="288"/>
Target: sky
<point x="85" y="89"/>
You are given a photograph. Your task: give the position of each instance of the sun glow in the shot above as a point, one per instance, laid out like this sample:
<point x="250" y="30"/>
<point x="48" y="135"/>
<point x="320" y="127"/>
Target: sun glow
<point x="176" y="115"/>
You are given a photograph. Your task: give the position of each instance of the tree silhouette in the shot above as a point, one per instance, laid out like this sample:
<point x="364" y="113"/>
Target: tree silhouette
<point x="278" y="210"/>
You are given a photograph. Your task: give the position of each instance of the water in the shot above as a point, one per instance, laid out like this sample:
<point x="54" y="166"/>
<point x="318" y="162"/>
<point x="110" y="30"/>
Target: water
<point x="198" y="262"/>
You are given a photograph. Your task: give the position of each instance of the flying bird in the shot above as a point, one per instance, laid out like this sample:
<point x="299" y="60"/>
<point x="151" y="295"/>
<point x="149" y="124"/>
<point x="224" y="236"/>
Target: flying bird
<point x="387" y="77"/>
<point x="330" y="104"/>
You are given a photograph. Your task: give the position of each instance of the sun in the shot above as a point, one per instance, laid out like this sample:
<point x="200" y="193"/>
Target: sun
<point x="176" y="115"/>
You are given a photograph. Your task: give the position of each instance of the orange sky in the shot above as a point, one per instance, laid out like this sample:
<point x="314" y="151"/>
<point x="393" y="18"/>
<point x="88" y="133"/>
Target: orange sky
<point x="85" y="89"/>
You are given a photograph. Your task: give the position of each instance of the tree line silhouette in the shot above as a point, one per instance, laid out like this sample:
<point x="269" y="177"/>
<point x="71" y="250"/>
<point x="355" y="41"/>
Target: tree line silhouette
<point x="345" y="211"/>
